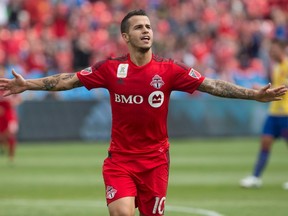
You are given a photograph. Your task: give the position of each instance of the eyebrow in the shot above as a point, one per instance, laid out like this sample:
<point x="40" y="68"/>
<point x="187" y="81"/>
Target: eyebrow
<point x="140" y="25"/>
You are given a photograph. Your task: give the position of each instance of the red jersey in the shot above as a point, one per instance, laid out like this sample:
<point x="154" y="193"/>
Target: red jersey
<point x="5" y="105"/>
<point x="139" y="97"/>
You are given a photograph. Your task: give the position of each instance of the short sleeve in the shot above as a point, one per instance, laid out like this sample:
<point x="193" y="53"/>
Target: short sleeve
<point x="186" y="79"/>
<point x="94" y="76"/>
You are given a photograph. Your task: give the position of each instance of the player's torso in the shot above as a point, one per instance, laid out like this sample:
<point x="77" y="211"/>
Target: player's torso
<point x="280" y="77"/>
<point x="139" y="100"/>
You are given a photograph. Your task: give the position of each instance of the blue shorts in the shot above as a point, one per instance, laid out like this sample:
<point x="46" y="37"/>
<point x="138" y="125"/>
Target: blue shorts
<point x="276" y="126"/>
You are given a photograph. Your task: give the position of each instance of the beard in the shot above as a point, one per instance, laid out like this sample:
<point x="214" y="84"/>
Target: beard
<point x="144" y="49"/>
<point x="139" y="48"/>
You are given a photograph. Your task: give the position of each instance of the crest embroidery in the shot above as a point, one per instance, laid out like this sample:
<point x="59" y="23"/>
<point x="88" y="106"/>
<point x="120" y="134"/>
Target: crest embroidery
<point x="110" y="192"/>
<point x="157" y="82"/>
<point x="195" y="74"/>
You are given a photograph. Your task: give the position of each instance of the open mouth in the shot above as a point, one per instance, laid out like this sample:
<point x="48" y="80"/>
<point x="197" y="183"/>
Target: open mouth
<point x="145" y="38"/>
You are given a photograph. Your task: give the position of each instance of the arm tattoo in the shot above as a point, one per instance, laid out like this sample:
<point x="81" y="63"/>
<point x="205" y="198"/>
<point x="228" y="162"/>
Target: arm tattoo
<point x="59" y="82"/>
<point x="68" y="76"/>
<point x="71" y="76"/>
<point x="51" y="82"/>
<point x="225" y="89"/>
<point x="77" y="84"/>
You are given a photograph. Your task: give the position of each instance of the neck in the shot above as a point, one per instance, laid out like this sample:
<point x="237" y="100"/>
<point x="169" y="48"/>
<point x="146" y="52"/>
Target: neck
<point x="141" y="58"/>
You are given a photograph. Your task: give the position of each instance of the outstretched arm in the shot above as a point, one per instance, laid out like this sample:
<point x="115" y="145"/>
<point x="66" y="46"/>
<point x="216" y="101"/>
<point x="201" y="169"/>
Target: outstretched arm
<point x="59" y="82"/>
<point x="229" y="90"/>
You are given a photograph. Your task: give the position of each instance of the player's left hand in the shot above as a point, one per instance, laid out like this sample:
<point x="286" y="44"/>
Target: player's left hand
<point x="267" y="94"/>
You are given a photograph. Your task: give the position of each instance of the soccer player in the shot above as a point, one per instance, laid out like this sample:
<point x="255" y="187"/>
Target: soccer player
<point x="8" y="123"/>
<point x="136" y="170"/>
<point x="276" y="124"/>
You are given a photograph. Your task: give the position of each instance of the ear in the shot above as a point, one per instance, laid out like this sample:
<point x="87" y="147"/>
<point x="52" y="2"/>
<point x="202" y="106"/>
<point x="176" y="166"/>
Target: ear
<point x="125" y="36"/>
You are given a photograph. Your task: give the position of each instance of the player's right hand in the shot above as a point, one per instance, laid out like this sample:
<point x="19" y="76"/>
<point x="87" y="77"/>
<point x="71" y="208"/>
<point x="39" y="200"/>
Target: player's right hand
<point x="13" y="86"/>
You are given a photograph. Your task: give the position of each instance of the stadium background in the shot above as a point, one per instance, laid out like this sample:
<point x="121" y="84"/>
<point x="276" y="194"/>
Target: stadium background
<point x="220" y="38"/>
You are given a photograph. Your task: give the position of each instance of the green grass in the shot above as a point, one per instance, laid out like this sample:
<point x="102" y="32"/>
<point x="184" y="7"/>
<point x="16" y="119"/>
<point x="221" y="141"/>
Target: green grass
<point x="64" y="178"/>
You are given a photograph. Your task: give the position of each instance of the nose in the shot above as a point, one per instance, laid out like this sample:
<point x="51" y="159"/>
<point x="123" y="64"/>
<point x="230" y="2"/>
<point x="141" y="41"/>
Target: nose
<point x="145" y="31"/>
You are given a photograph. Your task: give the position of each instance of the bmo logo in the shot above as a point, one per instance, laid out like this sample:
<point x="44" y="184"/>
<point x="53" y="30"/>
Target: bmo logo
<point x="130" y="99"/>
<point x="156" y="99"/>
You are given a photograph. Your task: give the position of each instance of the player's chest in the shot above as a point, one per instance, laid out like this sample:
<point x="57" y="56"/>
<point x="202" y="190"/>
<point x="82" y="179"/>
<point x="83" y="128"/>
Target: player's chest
<point x="127" y="80"/>
<point x="149" y="86"/>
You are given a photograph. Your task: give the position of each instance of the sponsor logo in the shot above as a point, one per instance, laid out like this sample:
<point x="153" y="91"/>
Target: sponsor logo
<point x="86" y="71"/>
<point x="110" y="192"/>
<point x="157" y="82"/>
<point x="130" y="99"/>
<point x="156" y="99"/>
<point x="122" y="70"/>
<point x="195" y="74"/>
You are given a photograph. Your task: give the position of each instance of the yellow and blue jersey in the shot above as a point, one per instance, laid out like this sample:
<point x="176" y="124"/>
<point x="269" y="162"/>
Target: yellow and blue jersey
<point x="280" y="77"/>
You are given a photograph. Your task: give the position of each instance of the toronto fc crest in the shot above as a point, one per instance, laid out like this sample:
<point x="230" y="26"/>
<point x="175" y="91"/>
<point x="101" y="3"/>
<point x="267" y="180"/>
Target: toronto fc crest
<point x="110" y="192"/>
<point x="157" y="82"/>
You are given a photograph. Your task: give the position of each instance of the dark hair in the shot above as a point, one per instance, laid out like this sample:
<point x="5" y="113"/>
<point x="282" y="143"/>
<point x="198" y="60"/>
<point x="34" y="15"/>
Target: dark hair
<point x="124" y="23"/>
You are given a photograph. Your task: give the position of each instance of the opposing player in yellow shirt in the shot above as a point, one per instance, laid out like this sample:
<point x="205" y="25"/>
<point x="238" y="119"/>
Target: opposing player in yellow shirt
<point x="276" y="124"/>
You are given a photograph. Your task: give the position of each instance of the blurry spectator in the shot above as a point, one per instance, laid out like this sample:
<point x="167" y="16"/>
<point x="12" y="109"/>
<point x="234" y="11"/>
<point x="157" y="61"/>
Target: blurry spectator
<point x="82" y="51"/>
<point x="279" y="18"/>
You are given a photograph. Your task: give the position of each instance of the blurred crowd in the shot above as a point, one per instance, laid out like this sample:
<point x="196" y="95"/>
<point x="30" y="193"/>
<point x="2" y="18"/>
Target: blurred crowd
<point x="224" y="39"/>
